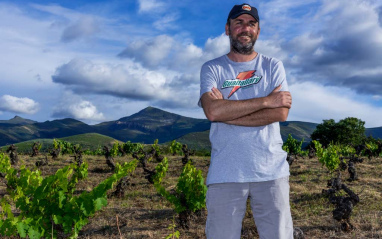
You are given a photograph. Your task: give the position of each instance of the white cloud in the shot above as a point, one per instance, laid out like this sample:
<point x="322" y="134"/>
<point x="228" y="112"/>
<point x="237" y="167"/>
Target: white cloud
<point x="58" y="11"/>
<point x="334" y="47"/>
<point x="124" y="79"/>
<point x="84" y="27"/>
<point x="312" y="101"/>
<point x="150" y="52"/>
<point x="161" y="70"/>
<point x="73" y="106"/>
<point x="151" y="6"/>
<point x="167" y="22"/>
<point x="18" y="105"/>
<point x="171" y="53"/>
<point x="131" y="81"/>
<point x="218" y="46"/>
<point x="271" y="48"/>
<point x="186" y="58"/>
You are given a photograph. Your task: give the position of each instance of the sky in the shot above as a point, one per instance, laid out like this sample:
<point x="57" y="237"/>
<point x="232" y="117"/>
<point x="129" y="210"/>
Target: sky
<point x="101" y="60"/>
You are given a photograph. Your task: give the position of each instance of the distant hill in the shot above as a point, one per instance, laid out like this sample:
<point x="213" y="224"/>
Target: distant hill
<point x="17" y="120"/>
<point x="299" y="131"/>
<point x="88" y="141"/>
<point x="196" y="140"/>
<point x="50" y="129"/>
<point x="374" y="132"/>
<point x="150" y="124"/>
<point x="143" y="127"/>
<point x="91" y="140"/>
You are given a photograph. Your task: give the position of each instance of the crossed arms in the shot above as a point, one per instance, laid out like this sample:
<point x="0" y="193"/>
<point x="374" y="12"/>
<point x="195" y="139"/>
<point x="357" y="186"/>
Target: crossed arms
<point x="252" y="112"/>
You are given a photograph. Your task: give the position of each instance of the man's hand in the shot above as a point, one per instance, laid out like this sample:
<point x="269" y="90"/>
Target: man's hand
<point x="216" y="93"/>
<point x="278" y="102"/>
<point x="218" y="109"/>
<point x="277" y="99"/>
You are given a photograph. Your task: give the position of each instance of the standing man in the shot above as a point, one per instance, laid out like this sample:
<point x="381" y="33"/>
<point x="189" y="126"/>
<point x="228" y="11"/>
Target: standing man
<point x="245" y="95"/>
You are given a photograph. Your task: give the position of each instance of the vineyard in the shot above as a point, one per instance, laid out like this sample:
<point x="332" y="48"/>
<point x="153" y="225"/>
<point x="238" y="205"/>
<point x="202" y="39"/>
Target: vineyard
<point x="157" y="191"/>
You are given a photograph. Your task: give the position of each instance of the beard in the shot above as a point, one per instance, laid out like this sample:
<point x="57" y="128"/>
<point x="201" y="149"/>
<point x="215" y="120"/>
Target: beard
<point x="242" y="48"/>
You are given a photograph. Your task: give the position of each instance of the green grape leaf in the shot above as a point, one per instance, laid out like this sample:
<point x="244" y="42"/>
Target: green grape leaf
<point x="22" y="228"/>
<point x="34" y="234"/>
<point x="99" y="203"/>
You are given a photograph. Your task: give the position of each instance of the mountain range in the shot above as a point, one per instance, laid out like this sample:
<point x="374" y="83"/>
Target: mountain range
<point x="143" y="127"/>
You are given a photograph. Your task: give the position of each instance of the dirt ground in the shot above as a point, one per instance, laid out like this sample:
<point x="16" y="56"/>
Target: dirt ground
<point x="143" y="213"/>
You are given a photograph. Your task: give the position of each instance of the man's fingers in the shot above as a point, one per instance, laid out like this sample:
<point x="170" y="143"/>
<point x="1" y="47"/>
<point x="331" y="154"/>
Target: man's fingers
<point x="217" y="94"/>
<point x="280" y="98"/>
<point x="278" y="88"/>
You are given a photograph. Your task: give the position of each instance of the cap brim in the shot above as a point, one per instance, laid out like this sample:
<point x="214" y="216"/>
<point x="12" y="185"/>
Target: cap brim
<point x="241" y="13"/>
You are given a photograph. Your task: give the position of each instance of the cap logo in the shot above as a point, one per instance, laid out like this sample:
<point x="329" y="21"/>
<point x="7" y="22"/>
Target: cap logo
<point x="246" y="7"/>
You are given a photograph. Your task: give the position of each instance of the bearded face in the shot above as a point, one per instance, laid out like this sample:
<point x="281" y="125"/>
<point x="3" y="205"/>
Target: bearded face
<point x="242" y="47"/>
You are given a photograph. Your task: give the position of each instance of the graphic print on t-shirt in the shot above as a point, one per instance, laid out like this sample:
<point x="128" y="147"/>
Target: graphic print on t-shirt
<point x="243" y="79"/>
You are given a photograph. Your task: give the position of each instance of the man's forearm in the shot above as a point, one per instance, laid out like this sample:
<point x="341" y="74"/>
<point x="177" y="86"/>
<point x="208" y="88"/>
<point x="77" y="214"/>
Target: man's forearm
<point x="218" y="109"/>
<point x="226" y="110"/>
<point x="261" y="117"/>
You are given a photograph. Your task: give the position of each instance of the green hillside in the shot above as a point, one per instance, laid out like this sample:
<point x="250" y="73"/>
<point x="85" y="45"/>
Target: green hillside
<point x="142" y="127"/>
<point x="299" y="131"/>
<point x="47" y="130"/>
<point x="17" y="120"/>
<point x="374" y="132"/>
<point x="88" y="141"/>
<point x="150" y="124"/>
<point x="197" y="140"/>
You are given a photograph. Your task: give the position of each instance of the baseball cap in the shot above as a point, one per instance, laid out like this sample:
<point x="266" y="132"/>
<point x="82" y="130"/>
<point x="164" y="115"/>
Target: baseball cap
<point x="244" y="8"/>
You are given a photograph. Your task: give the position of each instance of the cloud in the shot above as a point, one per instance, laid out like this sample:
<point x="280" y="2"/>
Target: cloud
<point x="57" y="10"/>
<point x="167" y="22"/>
<point x="18" y="105"/>
<point x="379" y="11"/>
<point x="171" y="53"/>
<point x="84" y="27"/>
<point x="339" y="49"/>
<point x="128" y="80"/>
<point x="147" y="6"/>
<point x="74" y="25"/>
<point x="161" y="71"/>
<point x="74" y="107"/>
<point x="150" y="52"/>
<point x="312" y="101"/>
<point x="215" y="47"/>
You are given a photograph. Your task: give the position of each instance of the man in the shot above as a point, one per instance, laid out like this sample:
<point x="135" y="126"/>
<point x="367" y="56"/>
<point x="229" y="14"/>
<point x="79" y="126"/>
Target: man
<point x="245" y="95"/>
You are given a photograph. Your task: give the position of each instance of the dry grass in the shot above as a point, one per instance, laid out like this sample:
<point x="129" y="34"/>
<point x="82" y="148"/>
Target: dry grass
<point x="142" y="213"/>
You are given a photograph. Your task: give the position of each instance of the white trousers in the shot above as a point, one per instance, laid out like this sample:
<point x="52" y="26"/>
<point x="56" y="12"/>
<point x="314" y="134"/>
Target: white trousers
<point x="227" y="204"/>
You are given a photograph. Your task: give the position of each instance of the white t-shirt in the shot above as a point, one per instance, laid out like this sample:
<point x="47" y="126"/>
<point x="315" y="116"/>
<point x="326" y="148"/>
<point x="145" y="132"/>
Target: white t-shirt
<point x="240" y="153"/>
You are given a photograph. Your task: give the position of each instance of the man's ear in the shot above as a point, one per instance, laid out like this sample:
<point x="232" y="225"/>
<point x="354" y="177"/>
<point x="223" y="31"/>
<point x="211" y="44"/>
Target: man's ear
<point x="227" y="29"/>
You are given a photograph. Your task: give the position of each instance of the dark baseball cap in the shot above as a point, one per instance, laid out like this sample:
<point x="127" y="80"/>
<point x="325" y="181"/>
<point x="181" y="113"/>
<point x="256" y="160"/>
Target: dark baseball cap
<point x="244" y="8"/>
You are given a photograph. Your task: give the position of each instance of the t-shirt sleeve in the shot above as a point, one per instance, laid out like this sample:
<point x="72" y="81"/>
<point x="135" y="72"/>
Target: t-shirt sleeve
<point x="207" y="81"/>
<point x="279" y="76"/>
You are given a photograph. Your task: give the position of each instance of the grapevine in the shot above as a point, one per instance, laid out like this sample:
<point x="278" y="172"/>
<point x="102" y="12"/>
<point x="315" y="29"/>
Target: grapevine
<point x="12" y="150"/>
<point x="293" y="148"/>
<point x="130" y="148"/>
<point x="329" y="156"/>
<point x="109" y="157"/>
<point x="190" y="193"/>
<point x="175" y="148"/>
<point x="46" y="203"/>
